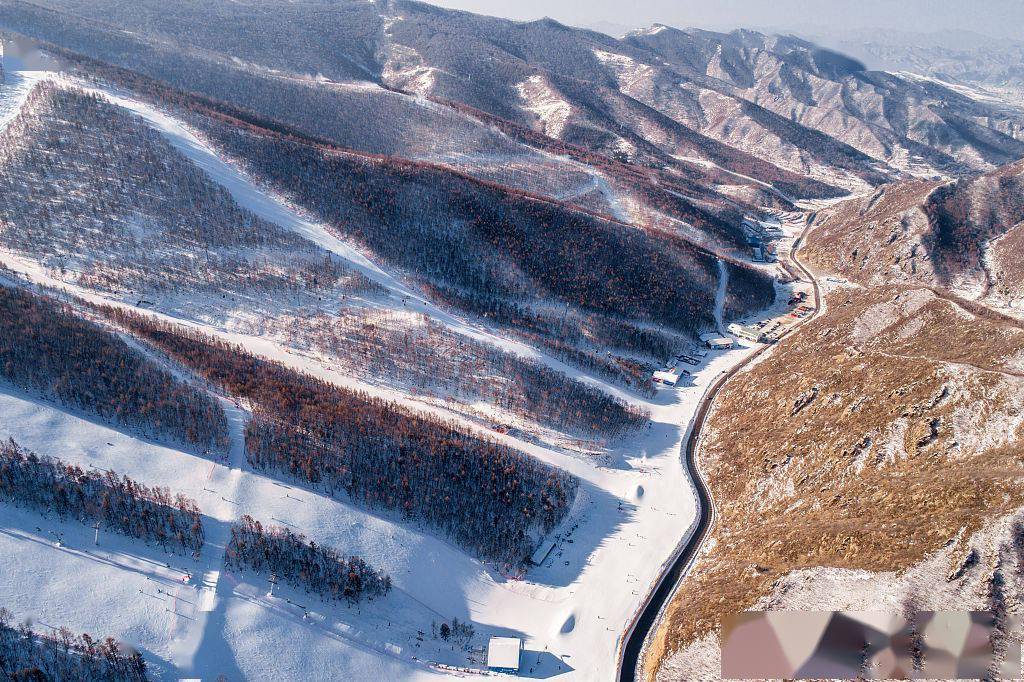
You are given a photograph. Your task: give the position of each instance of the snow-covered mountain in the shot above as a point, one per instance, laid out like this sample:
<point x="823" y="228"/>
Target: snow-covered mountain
<point x="330" y="328"/>
<point x="380" y="367"/>
<point x="954" y="56"/>
<point x="658" y="96"/>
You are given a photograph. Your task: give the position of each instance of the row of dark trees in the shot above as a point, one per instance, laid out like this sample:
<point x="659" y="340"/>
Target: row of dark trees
<point x="62" y="656"/>
<point x="462" y="233"/>
<point x="490" y="498"/>
<point x="575" y="342"/>
<point x="91" y="496"/>
<point x="45" y="347"/>
<point x="429" y="356"/>
<point x="566" y="324"/>
<point x="291" y="557"/>
<point x="626" y="371"/>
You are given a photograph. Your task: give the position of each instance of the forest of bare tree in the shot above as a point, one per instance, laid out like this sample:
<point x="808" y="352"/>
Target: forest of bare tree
<point x="275" y="551"/>
<point x="115" y="502"/>
<point x="46" y="347"/>
<point x="490" y="498"/>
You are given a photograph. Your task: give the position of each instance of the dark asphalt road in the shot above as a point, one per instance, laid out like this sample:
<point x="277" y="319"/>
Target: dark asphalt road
<point x="646" y="619"/>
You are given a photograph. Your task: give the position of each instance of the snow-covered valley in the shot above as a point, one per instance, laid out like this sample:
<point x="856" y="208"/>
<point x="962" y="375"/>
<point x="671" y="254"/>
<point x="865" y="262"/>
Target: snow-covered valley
<point x="376" y="340"/>
<point x="194" y="618"/>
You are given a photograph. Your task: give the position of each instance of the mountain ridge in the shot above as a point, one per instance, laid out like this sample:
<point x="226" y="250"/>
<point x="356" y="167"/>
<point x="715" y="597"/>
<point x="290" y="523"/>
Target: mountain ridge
<point x="762" y="79"/>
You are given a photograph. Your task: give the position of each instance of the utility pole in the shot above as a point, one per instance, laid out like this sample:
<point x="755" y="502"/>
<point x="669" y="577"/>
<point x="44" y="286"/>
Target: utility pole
<point x="273" y="581"/>
<point x="57" y="538"/>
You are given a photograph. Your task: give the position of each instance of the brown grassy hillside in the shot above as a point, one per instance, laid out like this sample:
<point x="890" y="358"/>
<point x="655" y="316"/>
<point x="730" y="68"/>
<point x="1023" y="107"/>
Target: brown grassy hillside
<point x="872" y="437"/>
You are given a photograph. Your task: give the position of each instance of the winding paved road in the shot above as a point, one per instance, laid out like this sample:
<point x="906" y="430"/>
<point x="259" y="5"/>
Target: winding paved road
<point x="646" y="619"/>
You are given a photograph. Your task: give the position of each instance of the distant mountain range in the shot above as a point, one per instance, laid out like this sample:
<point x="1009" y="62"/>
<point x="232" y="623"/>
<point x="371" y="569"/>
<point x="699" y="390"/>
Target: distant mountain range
<point x="958" y="56"/>
<point x="690" y="101"/>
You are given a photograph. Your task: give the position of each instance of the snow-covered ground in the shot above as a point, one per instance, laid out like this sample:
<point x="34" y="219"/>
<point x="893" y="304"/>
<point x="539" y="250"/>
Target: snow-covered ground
<point x="1006" y="95"/>
<point x="14" y="90"/>
<point x="275" y="209"/>
<point x="571" y="611"/>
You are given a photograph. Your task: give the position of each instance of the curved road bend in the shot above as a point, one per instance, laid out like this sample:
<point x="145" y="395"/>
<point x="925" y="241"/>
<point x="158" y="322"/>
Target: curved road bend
<point x="642" y="623"/>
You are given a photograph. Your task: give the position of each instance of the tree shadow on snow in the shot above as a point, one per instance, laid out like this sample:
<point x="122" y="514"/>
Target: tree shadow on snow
<point x="596" y="518"/>
<point x="72" y="538"/>
<point x="634" y="450"/>
<point x="52" y="403"/>
<point x="534" y="664"/>
<point x="73" y="541"/>
<point x="213" y="656"/>
<point x="542" y="665"/>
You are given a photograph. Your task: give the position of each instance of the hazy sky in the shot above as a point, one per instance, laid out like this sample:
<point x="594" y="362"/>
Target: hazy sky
<point x="1003" y="18"/>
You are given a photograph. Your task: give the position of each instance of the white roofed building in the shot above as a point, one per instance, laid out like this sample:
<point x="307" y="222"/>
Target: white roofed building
<point x="503" y="654"/>
<point x="718" y="343"/>
<point x="666" y="376"/>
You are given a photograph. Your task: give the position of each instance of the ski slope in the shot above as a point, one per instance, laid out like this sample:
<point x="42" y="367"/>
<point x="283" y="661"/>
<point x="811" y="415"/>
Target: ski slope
<point x="570" y="611"/>
<point x="14" y="90"/>
<point x="275" y="209"/>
